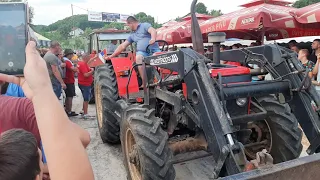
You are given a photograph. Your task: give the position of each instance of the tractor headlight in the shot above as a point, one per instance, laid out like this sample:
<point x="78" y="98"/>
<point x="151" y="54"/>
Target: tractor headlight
<point x="241" y="101"/>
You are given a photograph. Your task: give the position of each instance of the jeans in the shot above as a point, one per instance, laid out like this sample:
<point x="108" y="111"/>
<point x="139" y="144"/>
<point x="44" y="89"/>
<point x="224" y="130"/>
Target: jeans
<point x="57" y="88"/>
<point x="86" y="92"/>
<point x="145" y="54"/>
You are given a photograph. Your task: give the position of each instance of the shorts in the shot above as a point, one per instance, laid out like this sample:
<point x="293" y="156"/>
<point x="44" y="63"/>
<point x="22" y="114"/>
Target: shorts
<point x="57" y="88"/>
<point x="145" y="54"/>
<point x="86" y="92"/>
<point x="70" y="90"/>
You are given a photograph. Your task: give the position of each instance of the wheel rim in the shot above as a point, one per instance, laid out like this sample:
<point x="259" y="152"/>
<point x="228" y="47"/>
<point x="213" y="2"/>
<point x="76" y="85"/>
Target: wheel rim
<point x="98" y="96"/>
<point x="260" y="138"/>
<point x="132" y="156"/>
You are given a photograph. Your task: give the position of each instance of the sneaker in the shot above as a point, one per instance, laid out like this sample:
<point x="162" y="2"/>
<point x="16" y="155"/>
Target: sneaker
<point x="86" y="116"/>
<point x="71" y="114"/>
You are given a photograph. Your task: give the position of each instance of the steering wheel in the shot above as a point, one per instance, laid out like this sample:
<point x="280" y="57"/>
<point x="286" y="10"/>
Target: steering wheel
<point x="165" y="43"/>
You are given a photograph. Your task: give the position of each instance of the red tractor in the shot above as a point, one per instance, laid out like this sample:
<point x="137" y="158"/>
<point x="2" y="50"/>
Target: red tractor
<point x="191" y="104"/>
<point x="98" y="41"/>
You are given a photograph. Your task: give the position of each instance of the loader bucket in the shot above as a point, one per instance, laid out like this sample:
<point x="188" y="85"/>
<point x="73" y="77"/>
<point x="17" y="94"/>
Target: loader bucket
<point x="305" y="168"/>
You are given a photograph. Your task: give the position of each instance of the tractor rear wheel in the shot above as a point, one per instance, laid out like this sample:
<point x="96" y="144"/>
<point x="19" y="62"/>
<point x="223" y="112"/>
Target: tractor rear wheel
<point x="144" y="144"/>
<point x="280" y="132"/>
<point x="106" y="95"/>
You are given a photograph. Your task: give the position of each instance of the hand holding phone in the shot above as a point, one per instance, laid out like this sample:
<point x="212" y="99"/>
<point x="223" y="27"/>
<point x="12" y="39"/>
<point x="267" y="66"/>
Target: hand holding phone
<point x="13" y="37"/>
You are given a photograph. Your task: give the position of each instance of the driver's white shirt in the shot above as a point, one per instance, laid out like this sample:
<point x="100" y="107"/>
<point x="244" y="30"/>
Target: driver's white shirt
<point x="111" y="48"/>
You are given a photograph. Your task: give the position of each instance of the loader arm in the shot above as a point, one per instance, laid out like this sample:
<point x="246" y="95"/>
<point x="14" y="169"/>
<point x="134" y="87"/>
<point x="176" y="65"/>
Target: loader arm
<point x="285" y="66"/>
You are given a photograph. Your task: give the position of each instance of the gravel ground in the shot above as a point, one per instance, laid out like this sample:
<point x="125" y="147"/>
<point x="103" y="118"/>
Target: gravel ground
<point x="106" y="160"/>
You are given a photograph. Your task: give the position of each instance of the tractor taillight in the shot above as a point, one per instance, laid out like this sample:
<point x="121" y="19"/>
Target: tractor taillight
<point x="123" y="73"/>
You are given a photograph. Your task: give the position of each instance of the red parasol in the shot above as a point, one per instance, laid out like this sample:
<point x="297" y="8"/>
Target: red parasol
<point x="176" y="33"/>
<point x="307" y="15"/>
<point x="259" y="2"/>
<point x="199" y="16"/>
<point x="254" y="22"/>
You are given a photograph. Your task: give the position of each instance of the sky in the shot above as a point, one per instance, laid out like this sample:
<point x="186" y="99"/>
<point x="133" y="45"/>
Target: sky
<point x="50" y="11"/>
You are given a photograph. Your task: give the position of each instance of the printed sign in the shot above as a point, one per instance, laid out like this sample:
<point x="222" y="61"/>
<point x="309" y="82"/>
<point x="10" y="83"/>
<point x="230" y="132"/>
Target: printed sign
<point x="107" y="17"/>
<point x="164" y="59"/>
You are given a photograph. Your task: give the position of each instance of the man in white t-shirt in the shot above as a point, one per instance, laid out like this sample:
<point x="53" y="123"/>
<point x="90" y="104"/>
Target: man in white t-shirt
<point x="112" y="47"/>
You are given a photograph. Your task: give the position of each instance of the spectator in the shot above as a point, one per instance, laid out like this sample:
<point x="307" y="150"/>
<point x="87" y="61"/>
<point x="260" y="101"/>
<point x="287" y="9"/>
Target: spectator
<point x="258" y="42"/>
<point x="253" y="44"/>
<point x="235" y="46"/>
<point x="20" y="156"/>
<point x="55" y="71"/>
<point x="303" y="57"/>
<point x="295" y="48"/>
<point x="292" y="43"/>
<point x="69" y="81"/>
<point x="14" y="90"/>
<point x="53" y="125"/>
<point x="315" y="50"/>
<point x="85" y="80"/>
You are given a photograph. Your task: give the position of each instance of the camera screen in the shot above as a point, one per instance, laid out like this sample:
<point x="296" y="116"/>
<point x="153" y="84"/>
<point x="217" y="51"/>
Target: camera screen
<point x="13" y="38"/>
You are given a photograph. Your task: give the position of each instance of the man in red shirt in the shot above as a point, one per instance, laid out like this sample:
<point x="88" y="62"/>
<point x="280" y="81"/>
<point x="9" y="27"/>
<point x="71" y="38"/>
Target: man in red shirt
<point x="69" y="81"/>
<point x="85" y="79"/>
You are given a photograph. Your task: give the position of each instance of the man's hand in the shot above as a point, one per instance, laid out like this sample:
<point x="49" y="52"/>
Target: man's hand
<point x="152" y="41"/>
<point x="63" y="65"/>
<point x="36" y="76"/>
<point x="64" y="86"/>
<point x="107" y="58"/>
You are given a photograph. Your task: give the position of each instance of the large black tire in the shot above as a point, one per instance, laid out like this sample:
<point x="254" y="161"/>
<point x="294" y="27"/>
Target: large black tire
<point x="106" y="95"/>
<point x="286" y="134"/>
<point x="151" y="146"/>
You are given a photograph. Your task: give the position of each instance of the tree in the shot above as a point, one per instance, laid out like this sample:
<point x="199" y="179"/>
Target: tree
<point x="303" y="3"/>
<point x="115" y="25"/>
<point x="215" y="13"/>
<point x="201" y="8"/>
<point x="87" y="31"/>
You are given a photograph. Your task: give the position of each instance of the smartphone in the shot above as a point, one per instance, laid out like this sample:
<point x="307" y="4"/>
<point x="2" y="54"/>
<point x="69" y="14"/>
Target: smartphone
<point x="14" y="37"/>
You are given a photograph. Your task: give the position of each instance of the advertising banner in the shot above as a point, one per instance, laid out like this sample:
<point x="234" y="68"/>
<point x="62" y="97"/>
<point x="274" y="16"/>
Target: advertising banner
<point x="107" y="17"/>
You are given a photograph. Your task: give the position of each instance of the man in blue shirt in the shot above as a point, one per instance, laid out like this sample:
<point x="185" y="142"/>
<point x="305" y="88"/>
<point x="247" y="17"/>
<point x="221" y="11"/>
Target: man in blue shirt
<point x="15" y="91"/>
<point x="143" y="34"/>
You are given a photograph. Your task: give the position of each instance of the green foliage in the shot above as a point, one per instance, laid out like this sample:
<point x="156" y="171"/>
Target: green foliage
<point x="216" y="13"/>
<point x="201" y="8"/>
<point x="303" y="3"/>
<point x="114" y="25"/>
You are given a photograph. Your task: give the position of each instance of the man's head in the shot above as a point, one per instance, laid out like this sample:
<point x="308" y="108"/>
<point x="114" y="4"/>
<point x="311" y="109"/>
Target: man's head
<point x="222" y="47"/>
<point x="115" y="42"/>
<point x="303" y="54"/>
<point x="68" y="53"/>
<point x="55" y="47"/>
<point x="235" y="46"/>
<point x="20" y="157"/>
<point x="295" y="48"/>
<point x="132" y="23"/>
<point x="292" y="43"/>
<point x="85" y="57"/>
<point x="316" y="44"/>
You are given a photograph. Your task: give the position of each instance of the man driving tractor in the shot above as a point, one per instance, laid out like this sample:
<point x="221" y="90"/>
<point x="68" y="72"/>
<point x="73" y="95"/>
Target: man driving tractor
<point x="143" y="34"/>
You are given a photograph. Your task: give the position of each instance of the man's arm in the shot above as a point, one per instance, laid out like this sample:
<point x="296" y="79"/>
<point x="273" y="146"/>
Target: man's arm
<point x="88" y="73"/>
<point x="120" y="48"/>
<point x="57" y="73"/>
<point x="153" y="33"/>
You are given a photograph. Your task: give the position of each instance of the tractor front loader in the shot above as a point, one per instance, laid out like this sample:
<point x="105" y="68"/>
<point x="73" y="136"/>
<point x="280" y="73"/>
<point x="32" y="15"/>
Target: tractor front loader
<point x="192" y="107"/>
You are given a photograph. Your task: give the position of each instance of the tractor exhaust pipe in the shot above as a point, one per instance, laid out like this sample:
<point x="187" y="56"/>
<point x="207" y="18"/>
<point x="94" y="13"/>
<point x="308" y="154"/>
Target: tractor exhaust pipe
<point x="197" y="40"/>
<point x="216" y="38"/>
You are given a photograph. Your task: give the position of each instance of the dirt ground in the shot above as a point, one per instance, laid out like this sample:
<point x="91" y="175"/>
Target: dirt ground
<point x="106" y="160"/>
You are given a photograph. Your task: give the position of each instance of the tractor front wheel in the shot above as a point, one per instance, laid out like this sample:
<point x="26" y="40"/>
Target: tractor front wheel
<point x="144" y="144"/>
<point x="106" y="95"/>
